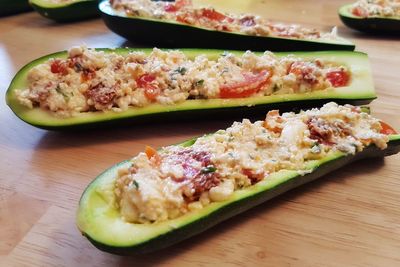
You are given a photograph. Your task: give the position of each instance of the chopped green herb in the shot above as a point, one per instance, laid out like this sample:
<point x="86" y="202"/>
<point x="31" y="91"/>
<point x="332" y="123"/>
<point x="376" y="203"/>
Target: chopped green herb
<point x="58" y="90"/>
<point x="181" y="70"/>
<point x="208" y="169"/>
<point x="199" y="83"/>
<point x="136" y="184"/>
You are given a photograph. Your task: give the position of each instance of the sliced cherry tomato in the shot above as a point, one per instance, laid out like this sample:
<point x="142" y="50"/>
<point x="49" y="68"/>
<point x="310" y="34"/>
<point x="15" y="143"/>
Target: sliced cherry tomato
<point x="58" y="67"/>
<point x="146" y="81"/>
<point x="251" y="84"/>
<point x="338" y="78"/>
<point x="387" y="129"/>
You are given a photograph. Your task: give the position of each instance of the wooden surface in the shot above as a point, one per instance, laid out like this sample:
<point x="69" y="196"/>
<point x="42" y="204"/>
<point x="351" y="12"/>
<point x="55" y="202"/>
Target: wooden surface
<point x="348" y="218"/>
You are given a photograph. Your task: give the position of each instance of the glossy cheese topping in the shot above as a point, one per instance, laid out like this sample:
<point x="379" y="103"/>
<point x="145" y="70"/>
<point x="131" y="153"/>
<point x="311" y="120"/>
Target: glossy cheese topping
<point x="165" y="184"/>
<point x="184" y="11"/>
<point x="90" y="80"/>
<point x="376" y="8"/>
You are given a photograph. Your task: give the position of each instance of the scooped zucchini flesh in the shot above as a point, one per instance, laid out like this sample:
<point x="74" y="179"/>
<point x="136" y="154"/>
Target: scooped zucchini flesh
<point x="169" y="34"/>
<point x="375" y="24"/>
<point x="360" y="90"/>
<point x="65" y="11"/>
<point x="102" y="224"/>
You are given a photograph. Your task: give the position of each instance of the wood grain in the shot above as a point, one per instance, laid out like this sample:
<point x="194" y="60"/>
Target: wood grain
<point x="349" y="218"/>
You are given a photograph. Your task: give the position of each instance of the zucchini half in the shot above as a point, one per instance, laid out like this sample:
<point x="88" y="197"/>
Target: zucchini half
<point x="102" y="224"/>
<point x="360" y="91"/>
<point x="10" y="7"/>
<point x="174" y="34"/>
<point x="375" y="25"/>
<point x="66" y="11"/>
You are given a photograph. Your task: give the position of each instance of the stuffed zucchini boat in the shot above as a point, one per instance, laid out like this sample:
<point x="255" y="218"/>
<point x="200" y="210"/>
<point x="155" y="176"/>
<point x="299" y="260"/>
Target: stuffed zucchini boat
<point x="161" y="197"/>
<point x="181" y="24"/>
<point x="10" y="7"/>
<point x="66" y="10"/>
<point x="377" y="16"/>
<point x="86" y="87"/>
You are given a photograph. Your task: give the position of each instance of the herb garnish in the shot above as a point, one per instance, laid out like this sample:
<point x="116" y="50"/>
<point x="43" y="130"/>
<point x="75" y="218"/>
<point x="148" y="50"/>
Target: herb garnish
<point x="58" y="90"/>
<point x="181" y="70"/>
<point x="208" y="169"/>
<point x="136" y="184"/>
<point x="199" y="83"/>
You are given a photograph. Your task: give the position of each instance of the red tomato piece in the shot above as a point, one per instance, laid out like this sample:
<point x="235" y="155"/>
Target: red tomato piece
<point x="387" y="129"/>
<point x="58" y="67"/>
<point x="151" y="93"/>
<point x="254" y="177"/>
<point x="360" y="12"/>
<point x="169" y="7"/>
<point x="181" y="3"/>
<point x="213" y="14"/>
<point x="338" y="78"/>
<point x="251" y="84"/>
<point x="147" y="82"/>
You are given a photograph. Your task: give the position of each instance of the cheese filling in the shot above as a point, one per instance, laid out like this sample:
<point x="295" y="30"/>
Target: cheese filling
<point x="184" y="11"/>
<point x="89" y="80"/>
<point x="175" y="180"/>
<point x="376" y="8"/>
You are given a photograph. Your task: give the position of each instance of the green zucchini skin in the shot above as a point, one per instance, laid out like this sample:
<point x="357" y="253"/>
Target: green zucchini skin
<point x="359" y="92"/>
<point x="84" y="9"/>
<point x="10" y="7"/>
<point x="230" y="209"/>
<point x="374" y="25"/>
<point x="167" y="34"/>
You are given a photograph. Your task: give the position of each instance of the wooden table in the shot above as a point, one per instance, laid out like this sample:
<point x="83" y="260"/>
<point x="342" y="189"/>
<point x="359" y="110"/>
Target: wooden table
<point x="349" y="218"/>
